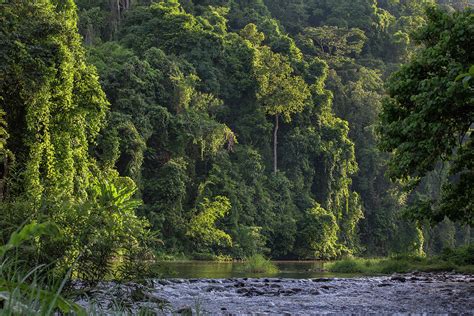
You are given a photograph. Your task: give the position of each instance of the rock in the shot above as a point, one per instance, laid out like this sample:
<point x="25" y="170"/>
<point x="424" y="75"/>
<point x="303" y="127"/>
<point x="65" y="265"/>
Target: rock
<point x="186" y="310"/>
<point x="287" y="292"/>
<point x="315" y="292"/>
<point x="325" y="287"/>
<point x="322" y="280"/>
<point x="384" y="284"/>
<point x="214" y="288"/>
<point x="178" y="281"/>
<point x="398" y="278"/>
<point x="215" y="281"/>
<point x="242" y="290"/>
<point x="254" y="292"/>
<point x="164" y="282"/>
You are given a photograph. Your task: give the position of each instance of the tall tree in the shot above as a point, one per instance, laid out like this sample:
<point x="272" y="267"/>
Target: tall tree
<point x="428" y="118"/>
<point x="279" y="91"/>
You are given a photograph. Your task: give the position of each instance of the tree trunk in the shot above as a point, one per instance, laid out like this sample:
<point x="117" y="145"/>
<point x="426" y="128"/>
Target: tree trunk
<point x="275" y="144"/>
<point x="118" y="11"/>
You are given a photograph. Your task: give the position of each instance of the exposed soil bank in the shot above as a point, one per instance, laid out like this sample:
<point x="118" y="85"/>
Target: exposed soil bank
<point x="418" y="293"/>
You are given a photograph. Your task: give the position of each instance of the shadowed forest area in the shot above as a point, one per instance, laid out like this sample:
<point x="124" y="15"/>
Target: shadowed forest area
<point x="138" y="131"/>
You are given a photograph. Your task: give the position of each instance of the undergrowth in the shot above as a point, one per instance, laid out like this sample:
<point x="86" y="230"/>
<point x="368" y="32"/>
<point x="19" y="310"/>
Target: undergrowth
<point x="259" y="264"/>
<point x="460" y="260"/>
<point x="30" y="291"/>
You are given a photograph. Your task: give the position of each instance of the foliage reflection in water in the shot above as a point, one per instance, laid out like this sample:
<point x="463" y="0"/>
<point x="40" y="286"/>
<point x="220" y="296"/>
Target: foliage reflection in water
<point x="222" y="270"/>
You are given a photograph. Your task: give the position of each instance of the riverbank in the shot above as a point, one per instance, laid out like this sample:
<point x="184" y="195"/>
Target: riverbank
<point x="460" y="260"/>
<point x="432" y="293"/>
<point x="396" y="265"/>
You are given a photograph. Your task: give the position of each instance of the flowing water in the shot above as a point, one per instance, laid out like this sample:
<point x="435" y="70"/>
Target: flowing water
<point x="300" y="288"/>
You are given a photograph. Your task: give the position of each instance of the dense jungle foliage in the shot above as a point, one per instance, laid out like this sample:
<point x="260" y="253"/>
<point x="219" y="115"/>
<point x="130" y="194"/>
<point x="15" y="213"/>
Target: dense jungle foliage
<point x="233" y="128"/>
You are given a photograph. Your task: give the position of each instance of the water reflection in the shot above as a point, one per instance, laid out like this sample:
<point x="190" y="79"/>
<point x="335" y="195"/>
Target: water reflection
<point x="222" y="270"/>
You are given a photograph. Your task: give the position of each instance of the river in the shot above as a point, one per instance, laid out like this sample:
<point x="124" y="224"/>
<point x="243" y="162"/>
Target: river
<point x="222" y="270"/>
<point x="300" y="288"/>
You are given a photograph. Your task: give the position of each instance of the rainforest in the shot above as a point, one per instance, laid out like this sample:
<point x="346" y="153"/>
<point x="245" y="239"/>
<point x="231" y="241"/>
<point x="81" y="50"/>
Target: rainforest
<point x="146" y="141"/>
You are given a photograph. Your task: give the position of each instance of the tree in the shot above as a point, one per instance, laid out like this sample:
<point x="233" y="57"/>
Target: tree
<point x="202" y="228"/>
<point x="54" y="108"/>
<point x="185" y="78"/>
<point x="318" y="235"/>
<point x="293" y="14"/>
<point x="333" y="42"/>
<point x="279" y="91"/>
<point x="428" y="118"/>
<point x="50" y="95"/>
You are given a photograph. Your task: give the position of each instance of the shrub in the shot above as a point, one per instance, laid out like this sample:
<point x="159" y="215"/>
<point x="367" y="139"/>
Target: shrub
<point x="27" y="292"/>
<point x="104" y="232"/>
<point x="318" y="235"/>
<point x="97" y="235"/>
<point x="458" y="260"/>
<point x="461" y="256"/>
<point x="202" y="228"/>
<point x="259" y="264"/>
<point x="347" y="265"/>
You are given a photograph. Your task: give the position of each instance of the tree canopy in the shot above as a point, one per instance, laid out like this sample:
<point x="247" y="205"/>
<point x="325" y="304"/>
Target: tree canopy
<point x="229" y="128"/>
<point x="428" y="119"/>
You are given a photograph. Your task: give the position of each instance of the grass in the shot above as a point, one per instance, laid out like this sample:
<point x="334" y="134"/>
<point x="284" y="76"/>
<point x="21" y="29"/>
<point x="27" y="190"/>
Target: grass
<point x="460" y="260"/>
<point x="28" y="291"/>
<point x="259" y="264"/>
<point x="31" y="294"/>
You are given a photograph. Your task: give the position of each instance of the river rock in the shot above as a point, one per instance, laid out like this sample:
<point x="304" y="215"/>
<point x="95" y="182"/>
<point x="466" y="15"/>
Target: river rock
<point x="398" y="278"/>
<point x="164" y="282"/>
<point x="185" y="310"/>
<point x="215" y="288"/>
<point x="287" y="292"/>
<point x="242" y="290"/>
<point x="254" y="292"/>
<point x="384" y="284"/>
<point x="322" y="280"/>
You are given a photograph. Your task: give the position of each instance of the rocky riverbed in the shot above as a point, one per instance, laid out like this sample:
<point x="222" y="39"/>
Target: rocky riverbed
<point x="415" y="293"/>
